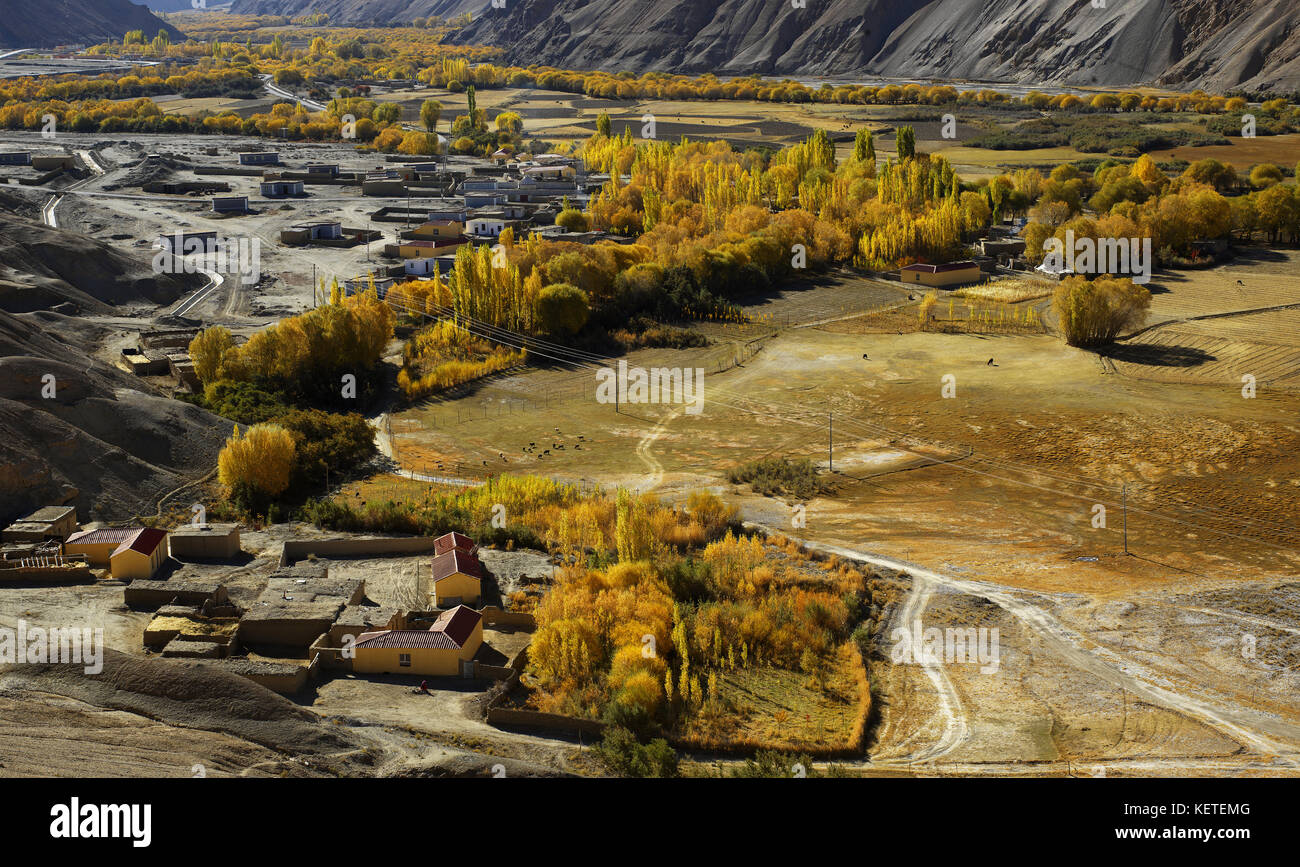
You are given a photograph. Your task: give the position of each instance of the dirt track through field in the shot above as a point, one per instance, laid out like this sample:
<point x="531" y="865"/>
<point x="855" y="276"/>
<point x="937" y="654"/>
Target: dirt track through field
<point x="1278" y="740"/>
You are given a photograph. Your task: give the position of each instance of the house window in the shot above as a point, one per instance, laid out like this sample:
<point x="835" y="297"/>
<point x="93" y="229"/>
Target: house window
<point x="404" y="659"/>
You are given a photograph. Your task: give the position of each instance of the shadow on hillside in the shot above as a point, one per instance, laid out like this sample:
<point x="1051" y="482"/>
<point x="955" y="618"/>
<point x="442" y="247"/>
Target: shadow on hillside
<point x="1155" y="355"/>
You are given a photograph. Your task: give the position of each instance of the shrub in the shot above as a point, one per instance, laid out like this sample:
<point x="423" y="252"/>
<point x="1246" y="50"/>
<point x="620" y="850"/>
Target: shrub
<point x="562" y="308"/>
<point x="773" y="476"/>
<point x="1095" y="312"/>
<point x="622" y="755"/>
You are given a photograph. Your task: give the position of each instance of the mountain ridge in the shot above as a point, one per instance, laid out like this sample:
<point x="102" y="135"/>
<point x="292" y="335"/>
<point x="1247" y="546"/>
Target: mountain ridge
<point x="61" y="22"/>
<point x="1218" y="45"/>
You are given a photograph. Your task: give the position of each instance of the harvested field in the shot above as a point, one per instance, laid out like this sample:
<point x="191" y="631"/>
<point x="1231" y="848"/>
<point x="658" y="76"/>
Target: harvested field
<point x="1193" y="353"/>
<point x="1241" y="153"/>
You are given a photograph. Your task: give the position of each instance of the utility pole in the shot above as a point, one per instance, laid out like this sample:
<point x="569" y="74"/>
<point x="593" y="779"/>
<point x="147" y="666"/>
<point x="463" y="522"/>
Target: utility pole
<point x="830" y="442"/>
<point x="1124" y="489"/>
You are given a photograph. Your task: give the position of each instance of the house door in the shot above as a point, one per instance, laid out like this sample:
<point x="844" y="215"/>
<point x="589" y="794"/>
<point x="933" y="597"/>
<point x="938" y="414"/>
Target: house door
<point x="467" y="668"/>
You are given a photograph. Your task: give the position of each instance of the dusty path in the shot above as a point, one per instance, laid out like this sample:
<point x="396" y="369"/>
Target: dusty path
<point x="1276" y="740"/>
<point x="952" y="717"/>
<point x="655" y="476"/>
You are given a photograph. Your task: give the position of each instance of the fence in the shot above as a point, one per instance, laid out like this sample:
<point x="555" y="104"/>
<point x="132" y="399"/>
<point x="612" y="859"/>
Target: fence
<point x="501" y="401"/>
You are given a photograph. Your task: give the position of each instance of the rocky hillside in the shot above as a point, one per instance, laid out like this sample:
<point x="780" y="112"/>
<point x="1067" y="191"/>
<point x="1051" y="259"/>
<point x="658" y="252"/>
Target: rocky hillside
<point x="100" y="434"/>
<point x="362" y="11"/>
<point x="61" y="22"/>
<point x="1216" y="44"/>
<point x="41" y="267"/>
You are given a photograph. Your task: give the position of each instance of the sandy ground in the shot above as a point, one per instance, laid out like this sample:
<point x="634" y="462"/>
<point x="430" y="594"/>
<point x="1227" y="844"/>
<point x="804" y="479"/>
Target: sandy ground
<point x="988" y="499"/>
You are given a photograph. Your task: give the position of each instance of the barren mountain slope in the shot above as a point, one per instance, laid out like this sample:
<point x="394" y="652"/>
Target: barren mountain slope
<point x="41" y="267"/>
<point x="100" y="434"/>
<point x="362" y="11"/>
<point x="1186" y="43"/>
<point x="25" y="24"/>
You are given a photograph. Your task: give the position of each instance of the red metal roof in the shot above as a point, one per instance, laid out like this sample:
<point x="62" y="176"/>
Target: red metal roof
<point x="145" y="541"/>
<point x="450" y="631"/>
<point x="452" y="541"/>
<point x="458" y="623"/>
<point x="452" y="562"/>
<point x="402" y="639"/>
<point x="104" y="536"/>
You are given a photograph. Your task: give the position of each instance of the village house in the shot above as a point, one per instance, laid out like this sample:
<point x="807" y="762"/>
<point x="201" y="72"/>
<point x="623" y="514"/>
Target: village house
<point x="131" y="552"/>
<point x="260" y="158"/>
<point x="420" y="267"/>
<point x="435" y="229"/>
<point x="204" y="542"/>
<point x="446" y="648"/>
<point x="454" y="542"/>
<point x="949" y="274"/>
<point x="457" y="579"/>
<point x="490" y="226"/>
<point x="280" y="189"/>
<point x="305" y="233"/>
<point x="230" y="205"/>
<point x="46" y="523"/>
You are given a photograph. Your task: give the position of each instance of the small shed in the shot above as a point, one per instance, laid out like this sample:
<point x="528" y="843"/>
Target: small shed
<point x="948" y="274"/>
<point x="457" y="579"/>
<point x="205" y="542"/>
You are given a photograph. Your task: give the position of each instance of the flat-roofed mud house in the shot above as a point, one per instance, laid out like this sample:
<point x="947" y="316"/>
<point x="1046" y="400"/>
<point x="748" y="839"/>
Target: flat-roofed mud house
<point x="457" y="579"/>
<point x="259" y="158"/>
<point x="230" y="205"/>
<point x="46" y="523"/>
<point x="300" y="603"/>
<point x="205" y="542"/>
<point x="949" y="274"/>
<point x="445" y="649"/>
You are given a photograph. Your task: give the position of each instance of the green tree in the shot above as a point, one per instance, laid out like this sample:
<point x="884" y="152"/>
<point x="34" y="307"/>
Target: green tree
<point x="604" y="126"/>
<point x="864" y="146"/>
<point x="906" y="142"/>
<point x="562" y="308"/>
<point x="622" y="755"/>
<point x="430" y="114"/>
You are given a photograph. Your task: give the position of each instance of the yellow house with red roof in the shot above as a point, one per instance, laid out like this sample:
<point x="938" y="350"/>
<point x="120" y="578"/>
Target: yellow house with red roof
<point x="440" y="650"/>
<point x="128" y="553"/>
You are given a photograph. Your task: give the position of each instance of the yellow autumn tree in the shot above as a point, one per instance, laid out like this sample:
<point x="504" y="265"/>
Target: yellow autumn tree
<point x="255" y="466"/>
<point x="208" y="351"/>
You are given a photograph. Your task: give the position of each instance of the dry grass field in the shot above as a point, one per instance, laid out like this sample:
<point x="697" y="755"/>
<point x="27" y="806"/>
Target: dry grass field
<point x="1242" y="153"/>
